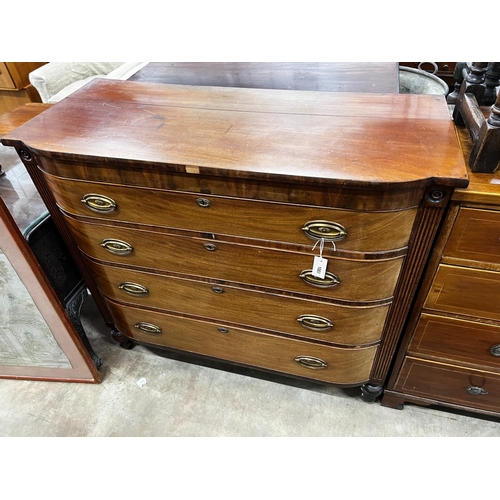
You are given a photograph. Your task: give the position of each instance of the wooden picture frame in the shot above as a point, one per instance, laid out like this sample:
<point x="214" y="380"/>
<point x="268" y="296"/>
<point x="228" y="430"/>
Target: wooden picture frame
<point x="69" y="360"/>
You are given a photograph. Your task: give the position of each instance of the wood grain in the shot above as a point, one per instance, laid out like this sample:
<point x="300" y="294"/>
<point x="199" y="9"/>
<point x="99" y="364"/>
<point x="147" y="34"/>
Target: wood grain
<point x="361" y="280"/>
<point x="345" y="366"/>
<point x="249" y="308"/>
<point x="448" y="384"/>
<point x="366" y="231"/>
<point x="464" y="291"/>
<point x="372" y="77"/>
<point x="375" y="141"/>
<point x="475" y="237"/>
<point x="452" y="340"/>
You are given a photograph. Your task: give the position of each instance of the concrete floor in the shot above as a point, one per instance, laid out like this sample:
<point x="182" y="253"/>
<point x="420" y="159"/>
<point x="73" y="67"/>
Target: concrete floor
<point x="191" y="400"/>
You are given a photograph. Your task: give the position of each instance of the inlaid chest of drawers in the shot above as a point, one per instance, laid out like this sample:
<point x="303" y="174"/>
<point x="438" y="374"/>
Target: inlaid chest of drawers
<point x="195" y="214"/>
<point x="450" y="354"/>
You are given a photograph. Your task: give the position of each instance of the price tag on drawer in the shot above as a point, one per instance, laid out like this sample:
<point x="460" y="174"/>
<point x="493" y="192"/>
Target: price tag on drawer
<point x="319" y="267"/>
<point x="319" y="263"/>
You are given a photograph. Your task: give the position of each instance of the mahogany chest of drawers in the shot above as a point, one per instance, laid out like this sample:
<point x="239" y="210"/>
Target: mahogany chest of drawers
<point x="450" y="355"/>
<point x="195" y="214"/>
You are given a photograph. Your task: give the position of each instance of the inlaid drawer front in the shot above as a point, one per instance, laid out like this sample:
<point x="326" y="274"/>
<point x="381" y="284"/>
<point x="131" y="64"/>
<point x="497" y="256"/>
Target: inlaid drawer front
<point x="450" y="384"/>
<point x="475" y="236"/>
<point x="458" y="341"/>
<point x="350" y="280"/>
<point x="306" y="318"/>
<point x="350" y="230"/>
<point x="296" y="357"/>
<point x="470" y="292"/>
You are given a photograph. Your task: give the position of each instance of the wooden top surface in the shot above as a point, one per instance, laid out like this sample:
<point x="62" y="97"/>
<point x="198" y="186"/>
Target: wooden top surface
<point x="363" y="140"/>
<point x="15" y="118"/>
<point x="373" y="77"/>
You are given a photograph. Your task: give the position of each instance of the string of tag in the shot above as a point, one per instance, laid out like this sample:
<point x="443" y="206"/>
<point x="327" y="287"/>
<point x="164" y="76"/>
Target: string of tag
<point x="320" y="263"/>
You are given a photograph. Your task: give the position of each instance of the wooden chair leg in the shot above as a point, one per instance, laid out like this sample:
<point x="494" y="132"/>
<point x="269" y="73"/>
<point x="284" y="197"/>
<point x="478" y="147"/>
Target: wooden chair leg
<point x="473" y="84"/>
<point x="492" y="81"/>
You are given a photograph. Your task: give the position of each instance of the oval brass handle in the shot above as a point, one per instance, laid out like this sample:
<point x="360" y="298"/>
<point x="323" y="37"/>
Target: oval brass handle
<point x="148" y="328"/>
<point x="316" y="323"/>
<point x="134" y="289"/>
<point x="117" y="247"/>
<point x="221" y="329"/>
<point x="210" y="247"/>
<point x="99" y="202"/>
<point x="203" y="202"/>
<point x="311" y="362"/>
<point x="217" y="289"/>
<point x="495" y="350"/>
<point x="329" y="231"/>
<point x="476" y="391"/>
<point x="328" y="281"/>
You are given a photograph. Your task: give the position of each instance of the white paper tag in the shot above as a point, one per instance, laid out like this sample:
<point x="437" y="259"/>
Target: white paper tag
<point x="319" y="267"/>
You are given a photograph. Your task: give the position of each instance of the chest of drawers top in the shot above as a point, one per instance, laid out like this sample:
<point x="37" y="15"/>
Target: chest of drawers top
<point x="320" y="138"/>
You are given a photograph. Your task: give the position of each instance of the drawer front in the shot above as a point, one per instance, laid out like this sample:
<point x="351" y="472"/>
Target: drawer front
<point x="450" y="384"/>
<point x="351" y="230"/>
<point x="475" y="236"/>
<point x="306" y="318"/>
<point x="465" y="291"/>
<point x="358" y="280"/>
<point x="296" y="357"/>
<point x="459" y="341"/>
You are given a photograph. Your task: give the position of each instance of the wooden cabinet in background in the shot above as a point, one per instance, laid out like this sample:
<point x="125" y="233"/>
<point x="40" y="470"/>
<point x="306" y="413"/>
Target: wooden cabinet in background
<point x="15" y="87"/>
<point x="450" y="354"/>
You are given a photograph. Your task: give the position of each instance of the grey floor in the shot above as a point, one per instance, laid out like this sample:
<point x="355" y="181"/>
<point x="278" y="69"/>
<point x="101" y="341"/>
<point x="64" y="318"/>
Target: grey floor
<point x="186" y="399"/>
<point x="144" y="394"/>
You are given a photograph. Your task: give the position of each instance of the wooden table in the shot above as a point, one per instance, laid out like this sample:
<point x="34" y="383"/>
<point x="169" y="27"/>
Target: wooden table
<point x="317" y="76"/>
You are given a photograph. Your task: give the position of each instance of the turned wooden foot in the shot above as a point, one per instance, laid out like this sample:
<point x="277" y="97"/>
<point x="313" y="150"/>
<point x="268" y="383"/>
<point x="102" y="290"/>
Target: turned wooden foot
<point x="370" y="393"/>
<point x="123" y="341"/>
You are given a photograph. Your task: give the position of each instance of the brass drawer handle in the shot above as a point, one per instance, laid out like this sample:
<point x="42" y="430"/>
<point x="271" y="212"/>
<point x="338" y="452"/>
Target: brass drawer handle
<point x="217" y="289"/>
<point x="221" y="329"/>
<point x="203" y="202"/>
<point x="134" y="289"/>
<point x="316" y="323"/>
<point x="329" y="231"/>
<point x="328" y="281"/>
<point x="99" y="202"/>
<point x="117" y="247"/>
<point x="476" y="391"/>
<point x="495" y="350"/>
<point x="311" y="362"/>
<point x="210" y="247"/>
<point x="148" y="328"/>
